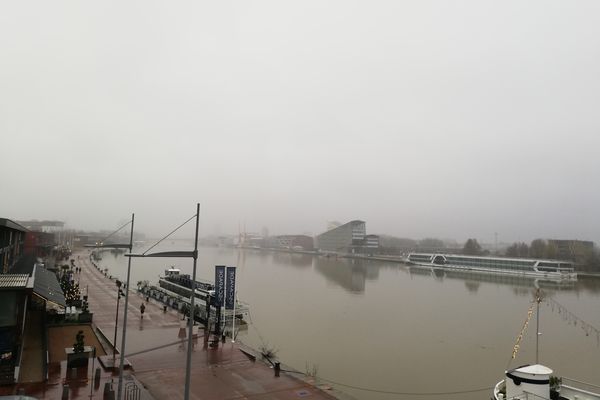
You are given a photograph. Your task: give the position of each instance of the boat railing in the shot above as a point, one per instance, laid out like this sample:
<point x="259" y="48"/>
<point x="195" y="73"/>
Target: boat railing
<point x="240" y="308"/>
<point x="583" y="390"/>
<point x="525" y="396"/>
<point x="531" y="396"/>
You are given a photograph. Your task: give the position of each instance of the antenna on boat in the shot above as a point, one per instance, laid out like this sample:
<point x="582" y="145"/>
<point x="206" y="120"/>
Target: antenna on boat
<point x="538" y="300"/>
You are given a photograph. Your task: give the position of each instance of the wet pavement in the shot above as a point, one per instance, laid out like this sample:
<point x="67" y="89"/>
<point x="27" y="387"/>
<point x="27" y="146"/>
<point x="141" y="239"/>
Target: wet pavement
<point x="156" y="348"/>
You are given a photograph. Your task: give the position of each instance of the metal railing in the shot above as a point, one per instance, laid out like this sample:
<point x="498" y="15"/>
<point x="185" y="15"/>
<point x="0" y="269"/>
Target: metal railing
<point x="132" y="391"/>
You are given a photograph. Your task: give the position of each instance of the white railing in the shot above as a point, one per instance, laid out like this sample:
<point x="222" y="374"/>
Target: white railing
<point x="587" y="386"/>
<point x="572" y="392"/>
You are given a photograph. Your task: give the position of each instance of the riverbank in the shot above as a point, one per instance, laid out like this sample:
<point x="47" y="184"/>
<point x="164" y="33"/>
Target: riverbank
<point x="157" y="346"/>
<point x="590" y="275"/>
<point x="316" y="253"/>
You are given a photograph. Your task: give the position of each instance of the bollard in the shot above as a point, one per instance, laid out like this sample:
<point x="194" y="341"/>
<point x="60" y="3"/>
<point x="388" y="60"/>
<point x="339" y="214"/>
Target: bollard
<point x="223" y="337"/>
<point x="97" y="378"/>
<point x="65" y="392"/>
<point x="277" y="368"/>
<point x="164" y="308"/>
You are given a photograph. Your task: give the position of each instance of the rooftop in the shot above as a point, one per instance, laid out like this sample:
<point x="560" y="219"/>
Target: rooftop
<point x="12" y="225"/>
<point x="13" y="281"/>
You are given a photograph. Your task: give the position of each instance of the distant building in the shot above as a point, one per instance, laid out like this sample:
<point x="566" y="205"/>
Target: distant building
<point x="574" y="250"/>
<point x="12" y="243"/>
<point x="264" y="232"/>
<point x="46" y="234"/>
<point x="349" y="238"/>
<point x="249" y="239"/>
<point x="39" y="243"/>
<point x="292" y="242"/>
<point x="371" y="241"/>
<point x="224" y="241"/>
<point x="333" y="224"/>
<point x="43" y="226"/>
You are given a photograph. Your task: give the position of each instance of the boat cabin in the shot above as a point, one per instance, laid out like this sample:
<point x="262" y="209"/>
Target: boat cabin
<point x="172" y="272"/>
<point x="528" y="379"/>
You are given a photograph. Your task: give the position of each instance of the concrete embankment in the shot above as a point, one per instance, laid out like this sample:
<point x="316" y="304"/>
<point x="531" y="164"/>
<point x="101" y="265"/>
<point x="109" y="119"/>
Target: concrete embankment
<point x="590" y="275"/>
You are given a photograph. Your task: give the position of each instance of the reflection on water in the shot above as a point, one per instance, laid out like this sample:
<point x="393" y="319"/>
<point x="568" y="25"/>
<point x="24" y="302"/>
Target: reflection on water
<point x="472" y="278"/>
<point x="292" y="259"/>
<point x="350" y="274"/>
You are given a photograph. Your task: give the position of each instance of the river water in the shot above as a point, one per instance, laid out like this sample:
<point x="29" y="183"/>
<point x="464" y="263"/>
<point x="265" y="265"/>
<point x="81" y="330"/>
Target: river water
<point x="392" y="328"/>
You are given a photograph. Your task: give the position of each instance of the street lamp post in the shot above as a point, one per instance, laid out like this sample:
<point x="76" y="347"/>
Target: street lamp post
<point x="178" y="254"/>
<point x="188" y="364"/>
<point x="128" y="246"/>
<point x="116" y="321"/>
<point x="124" y="334"/>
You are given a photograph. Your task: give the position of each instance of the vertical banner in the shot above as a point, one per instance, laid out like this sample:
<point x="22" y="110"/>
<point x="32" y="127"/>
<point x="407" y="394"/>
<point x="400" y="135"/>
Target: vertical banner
<point x="230" y="292"/>
<point x="219" y="285"/>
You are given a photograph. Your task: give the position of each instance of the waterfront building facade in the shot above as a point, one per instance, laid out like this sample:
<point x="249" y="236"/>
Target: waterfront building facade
<point x="12" y="243"/>
<point x="39" y="243"/>
<point x="43" y="226"/>
<point x="15" y="289"/>
<point x="349" y="238"/>
<point x="25" y="286"/>
<point x="371" y="241"/>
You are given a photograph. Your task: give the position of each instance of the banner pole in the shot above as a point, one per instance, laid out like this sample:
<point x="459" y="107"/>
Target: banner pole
<point x="233" y="318"/>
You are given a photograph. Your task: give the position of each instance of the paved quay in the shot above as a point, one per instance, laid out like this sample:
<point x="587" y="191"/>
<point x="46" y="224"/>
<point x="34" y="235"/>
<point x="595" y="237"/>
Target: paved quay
<point x="157" y="344"/>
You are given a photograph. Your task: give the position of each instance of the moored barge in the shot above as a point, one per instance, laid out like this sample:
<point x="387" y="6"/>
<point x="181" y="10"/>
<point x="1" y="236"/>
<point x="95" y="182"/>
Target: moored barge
<point x="175" y="290"/>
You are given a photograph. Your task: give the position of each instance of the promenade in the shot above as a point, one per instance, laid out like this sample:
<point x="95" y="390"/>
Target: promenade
<point x="156" y="349"/>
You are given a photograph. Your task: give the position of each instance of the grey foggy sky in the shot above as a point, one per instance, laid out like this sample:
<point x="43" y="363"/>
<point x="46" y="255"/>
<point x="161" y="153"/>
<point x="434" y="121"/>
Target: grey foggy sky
<point x="450" y="119"/>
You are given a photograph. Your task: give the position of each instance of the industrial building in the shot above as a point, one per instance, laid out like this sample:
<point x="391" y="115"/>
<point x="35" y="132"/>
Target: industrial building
<point x="291" y="242"/>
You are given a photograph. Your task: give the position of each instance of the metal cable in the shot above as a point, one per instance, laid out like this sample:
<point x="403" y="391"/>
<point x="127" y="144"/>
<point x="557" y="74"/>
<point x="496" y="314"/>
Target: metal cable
<point x="260" y="337"/>
<point x="549" y="299"/>
<point x="169" y="234"/>
<point x="391" y="391"/>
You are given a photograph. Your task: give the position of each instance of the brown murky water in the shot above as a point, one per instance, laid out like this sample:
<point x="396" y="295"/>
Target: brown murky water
<point x="391" y="328"/>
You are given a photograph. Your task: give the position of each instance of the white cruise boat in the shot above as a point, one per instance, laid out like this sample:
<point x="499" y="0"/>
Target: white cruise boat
<point x="554" y="269"/>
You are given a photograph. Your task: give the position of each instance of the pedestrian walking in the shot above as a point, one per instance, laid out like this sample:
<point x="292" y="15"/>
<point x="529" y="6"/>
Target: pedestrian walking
<point x="142" y="309"/>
